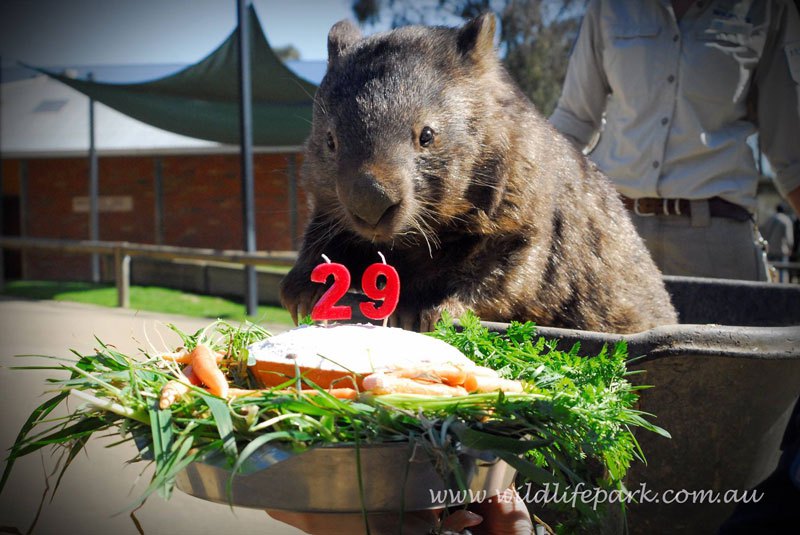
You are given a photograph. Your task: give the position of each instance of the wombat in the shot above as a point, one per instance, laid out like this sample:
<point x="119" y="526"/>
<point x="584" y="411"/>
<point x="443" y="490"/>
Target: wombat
<point x="423" y="148"/>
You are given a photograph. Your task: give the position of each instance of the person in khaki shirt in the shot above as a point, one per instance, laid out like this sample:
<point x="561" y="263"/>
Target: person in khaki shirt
<point x="668" y="92"/>
<point x="674" y="90"/>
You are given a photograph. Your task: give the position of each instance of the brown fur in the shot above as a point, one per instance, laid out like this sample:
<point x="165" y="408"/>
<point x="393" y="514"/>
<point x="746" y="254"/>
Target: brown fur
<point x="498" y="213"/>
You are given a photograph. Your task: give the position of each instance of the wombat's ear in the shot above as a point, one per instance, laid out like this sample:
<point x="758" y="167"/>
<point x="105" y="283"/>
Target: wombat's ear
<point x="342" y="35"/>
<point x="476" y="37"/>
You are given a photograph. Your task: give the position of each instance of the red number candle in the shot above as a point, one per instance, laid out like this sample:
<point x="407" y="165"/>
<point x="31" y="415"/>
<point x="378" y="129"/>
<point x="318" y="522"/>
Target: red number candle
<point x="326" y="308"/>
<point x="389" y="294"/>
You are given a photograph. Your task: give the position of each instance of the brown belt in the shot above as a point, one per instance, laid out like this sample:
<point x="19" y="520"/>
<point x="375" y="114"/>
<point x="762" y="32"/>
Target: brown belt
<point x="717" y="207"/>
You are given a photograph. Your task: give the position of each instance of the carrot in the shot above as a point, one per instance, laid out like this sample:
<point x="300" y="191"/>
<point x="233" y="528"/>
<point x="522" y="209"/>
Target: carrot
<point x="447" y="374"/>
<point x="204" y="363"/>
<point x="242" y="392"/>
<point x="181" y="356"/>
<point x="381" y="383"/>
<point x="341" y="393"/>
<point x="470" y="383"/>
<point x="175" y="389"/>
<point x="492" y="384"/>
<point x="185" y="357"/>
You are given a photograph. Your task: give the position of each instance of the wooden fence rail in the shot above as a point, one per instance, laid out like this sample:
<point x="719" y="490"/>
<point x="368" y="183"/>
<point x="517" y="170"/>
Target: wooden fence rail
<point x="123" y="251"/>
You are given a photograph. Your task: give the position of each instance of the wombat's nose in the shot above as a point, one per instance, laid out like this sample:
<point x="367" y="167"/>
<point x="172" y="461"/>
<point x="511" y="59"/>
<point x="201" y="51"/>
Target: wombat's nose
<point x="367" y="199"/>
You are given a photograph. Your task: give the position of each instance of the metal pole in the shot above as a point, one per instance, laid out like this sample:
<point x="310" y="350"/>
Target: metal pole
<point x="94" y="187"/>
<point x="291" y="171"/>
<point x="23" y="214"/>
<point x="158" y="187"/>
<point x="246" y="141"/>
<point x="2" y="203"/>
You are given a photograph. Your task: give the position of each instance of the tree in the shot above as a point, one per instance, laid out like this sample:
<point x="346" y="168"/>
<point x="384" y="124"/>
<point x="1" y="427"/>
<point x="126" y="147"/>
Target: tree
<point x="287" y="53"/>
<point x="536" y="36"/>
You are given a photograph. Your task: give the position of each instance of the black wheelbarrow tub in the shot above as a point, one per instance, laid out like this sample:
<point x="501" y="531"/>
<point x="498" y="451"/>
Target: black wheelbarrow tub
<point x="725" y="383"/>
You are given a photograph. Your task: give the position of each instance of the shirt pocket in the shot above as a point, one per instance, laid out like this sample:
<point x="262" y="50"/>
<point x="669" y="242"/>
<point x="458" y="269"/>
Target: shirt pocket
<point x="723" y="60"/>
<point x="629" y="57"/>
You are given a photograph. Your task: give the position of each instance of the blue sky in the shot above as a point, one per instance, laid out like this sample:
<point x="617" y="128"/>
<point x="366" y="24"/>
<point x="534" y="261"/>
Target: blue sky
<point x="102" y="32"/>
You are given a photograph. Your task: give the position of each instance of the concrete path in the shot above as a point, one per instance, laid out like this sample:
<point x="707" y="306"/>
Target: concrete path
<point x="98" y="487"/>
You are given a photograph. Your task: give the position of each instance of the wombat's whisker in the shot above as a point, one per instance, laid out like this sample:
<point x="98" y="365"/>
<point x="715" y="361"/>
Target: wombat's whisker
<point x="421" y="225"/>
<point x="312" y="96"/>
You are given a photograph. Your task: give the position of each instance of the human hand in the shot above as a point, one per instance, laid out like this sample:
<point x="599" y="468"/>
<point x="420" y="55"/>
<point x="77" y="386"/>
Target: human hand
<point x="414" y="523"/>
<point x="505" y="514"/>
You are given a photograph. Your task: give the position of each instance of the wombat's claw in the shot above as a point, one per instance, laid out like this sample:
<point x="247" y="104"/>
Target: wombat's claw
<point x="403" y="320"/>
<point x="306" y="302"/>
<point x="424" y="320"/>
<point x="428" y="319"/>
<point x="301" y="304"/>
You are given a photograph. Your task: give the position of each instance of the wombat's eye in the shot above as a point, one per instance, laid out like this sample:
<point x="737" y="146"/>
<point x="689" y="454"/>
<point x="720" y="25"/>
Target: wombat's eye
<point x="331" y="142"/>
<point x="426" y="137"/>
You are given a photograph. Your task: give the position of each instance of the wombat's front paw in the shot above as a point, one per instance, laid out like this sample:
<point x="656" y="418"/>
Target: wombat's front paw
<point x="425" y="320"/>
<point x="299" y="295"/>
<point x="430" y="317"/>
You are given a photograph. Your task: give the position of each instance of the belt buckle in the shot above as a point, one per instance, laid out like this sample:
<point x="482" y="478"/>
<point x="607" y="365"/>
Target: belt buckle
<point x="638" y="212"/>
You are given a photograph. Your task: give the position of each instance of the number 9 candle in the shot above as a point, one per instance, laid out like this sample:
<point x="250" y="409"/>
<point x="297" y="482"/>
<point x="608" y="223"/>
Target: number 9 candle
<point x="389" y="294"/>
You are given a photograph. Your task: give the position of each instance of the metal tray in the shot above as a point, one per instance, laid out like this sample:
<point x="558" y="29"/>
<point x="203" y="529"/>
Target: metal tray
<point x="395" y="476"/>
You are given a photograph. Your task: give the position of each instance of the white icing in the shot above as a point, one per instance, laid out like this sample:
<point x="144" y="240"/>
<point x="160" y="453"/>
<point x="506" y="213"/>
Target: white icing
<point x="357" y="348"/>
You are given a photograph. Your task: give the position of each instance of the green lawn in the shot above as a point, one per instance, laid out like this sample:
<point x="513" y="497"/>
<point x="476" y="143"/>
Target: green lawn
<point x="148" y="298"/>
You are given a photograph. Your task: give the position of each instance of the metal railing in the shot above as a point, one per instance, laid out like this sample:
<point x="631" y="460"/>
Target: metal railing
<point x="123" y="251"/>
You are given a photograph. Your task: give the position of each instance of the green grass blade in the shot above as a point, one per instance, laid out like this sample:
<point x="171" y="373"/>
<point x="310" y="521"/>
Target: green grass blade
<point x="74" y="450"/>
<point x="528" y="470"/>
<point x="164" y="475"/>
<point x="249" y="450"/>
<point x="256" y="444"/>
<point x="482" y="441"/>
<point x="84" y="427"/>
<point x="161" y="430"/>
<point x="224" y="423"/>
<point x="38" y="413"/>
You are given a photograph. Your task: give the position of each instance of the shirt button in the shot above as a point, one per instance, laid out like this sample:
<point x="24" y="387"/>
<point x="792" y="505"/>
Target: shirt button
<point x="655" y="165"/>
<point x="671" y="78"/>
<point x="675" y="38"/>
<point x="664" y="121"/>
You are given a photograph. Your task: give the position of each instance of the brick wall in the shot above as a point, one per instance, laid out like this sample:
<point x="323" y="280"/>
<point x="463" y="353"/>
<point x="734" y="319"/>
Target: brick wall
<point x="201" y="198"/>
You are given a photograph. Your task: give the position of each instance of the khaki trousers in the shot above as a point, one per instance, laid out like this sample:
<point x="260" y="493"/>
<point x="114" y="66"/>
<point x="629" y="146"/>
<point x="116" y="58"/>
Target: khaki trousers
<point x="704" y="246"/>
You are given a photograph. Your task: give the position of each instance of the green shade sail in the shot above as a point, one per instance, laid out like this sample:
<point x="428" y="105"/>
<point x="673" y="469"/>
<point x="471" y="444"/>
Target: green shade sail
<point x="202" y="100"/>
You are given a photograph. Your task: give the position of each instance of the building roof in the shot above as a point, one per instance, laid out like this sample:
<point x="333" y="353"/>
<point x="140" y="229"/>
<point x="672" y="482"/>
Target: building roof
<point x="42" y="118"/>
